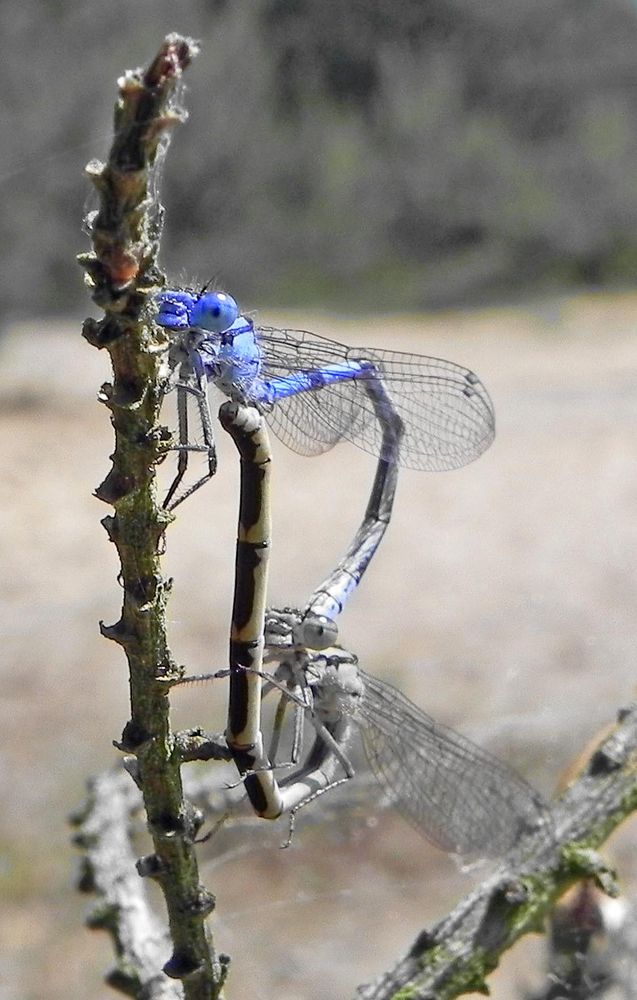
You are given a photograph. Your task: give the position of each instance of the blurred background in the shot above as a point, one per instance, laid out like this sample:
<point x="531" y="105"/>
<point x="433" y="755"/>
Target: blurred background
<point x="381" y="155"/>
<point x="447" y="178"/>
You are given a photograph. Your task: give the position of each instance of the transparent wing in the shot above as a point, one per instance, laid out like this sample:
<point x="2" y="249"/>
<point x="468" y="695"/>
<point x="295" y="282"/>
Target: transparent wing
<point x="447" y="412"/>
<point x="462" y="798"/>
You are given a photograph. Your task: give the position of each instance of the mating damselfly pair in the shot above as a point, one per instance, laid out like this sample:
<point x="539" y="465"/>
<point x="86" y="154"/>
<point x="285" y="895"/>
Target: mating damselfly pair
<point x="419" y="412"/>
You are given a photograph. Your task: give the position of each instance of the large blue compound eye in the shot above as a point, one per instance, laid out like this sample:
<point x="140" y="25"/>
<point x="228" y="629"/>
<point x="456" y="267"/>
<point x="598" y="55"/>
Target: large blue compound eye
<point x="214" y="312"/>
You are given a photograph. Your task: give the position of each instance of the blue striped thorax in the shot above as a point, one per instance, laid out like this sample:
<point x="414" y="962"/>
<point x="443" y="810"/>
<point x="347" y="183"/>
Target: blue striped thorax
<point x="238" y="359"/>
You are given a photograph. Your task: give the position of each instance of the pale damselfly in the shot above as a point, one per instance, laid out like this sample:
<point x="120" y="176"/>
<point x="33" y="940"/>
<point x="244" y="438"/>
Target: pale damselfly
<point x="247" y="428"/>
<point x="461" y="797"/>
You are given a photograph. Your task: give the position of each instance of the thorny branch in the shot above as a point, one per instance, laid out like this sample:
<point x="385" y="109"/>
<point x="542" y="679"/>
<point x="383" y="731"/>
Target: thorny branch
<point x="123" y="274"/>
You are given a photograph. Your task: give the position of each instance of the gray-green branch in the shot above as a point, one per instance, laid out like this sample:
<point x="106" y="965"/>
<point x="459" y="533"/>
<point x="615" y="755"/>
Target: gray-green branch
<point x="123" y="273"/>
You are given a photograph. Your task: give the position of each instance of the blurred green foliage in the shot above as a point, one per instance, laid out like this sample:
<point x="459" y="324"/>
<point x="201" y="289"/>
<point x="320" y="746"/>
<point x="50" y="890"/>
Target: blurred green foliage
<point x="376" y="153"/>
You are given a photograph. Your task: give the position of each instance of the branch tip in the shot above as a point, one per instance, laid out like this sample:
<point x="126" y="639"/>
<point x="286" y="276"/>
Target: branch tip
<point x="173" y="58"/>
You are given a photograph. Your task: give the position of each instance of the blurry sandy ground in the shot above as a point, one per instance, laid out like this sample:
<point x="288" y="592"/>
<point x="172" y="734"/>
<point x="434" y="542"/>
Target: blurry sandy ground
<point x="503" y="601"/>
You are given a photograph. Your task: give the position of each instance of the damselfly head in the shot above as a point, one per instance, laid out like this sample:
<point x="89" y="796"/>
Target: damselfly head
<point x="316" y="632"/>
<point x="288" y="627"/>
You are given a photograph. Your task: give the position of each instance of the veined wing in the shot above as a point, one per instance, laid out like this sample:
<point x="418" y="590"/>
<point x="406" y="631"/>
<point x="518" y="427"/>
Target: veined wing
<point x="461" y="797"/>
<point x="447" y="412"/>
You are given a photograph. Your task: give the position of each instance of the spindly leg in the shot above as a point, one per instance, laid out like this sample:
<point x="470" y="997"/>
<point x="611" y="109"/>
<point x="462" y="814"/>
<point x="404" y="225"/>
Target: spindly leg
<point x="182" y="460"/>
<point x="319" y="773"/>
<point x="185" y="388"/>
<point x="300" y="709"/>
